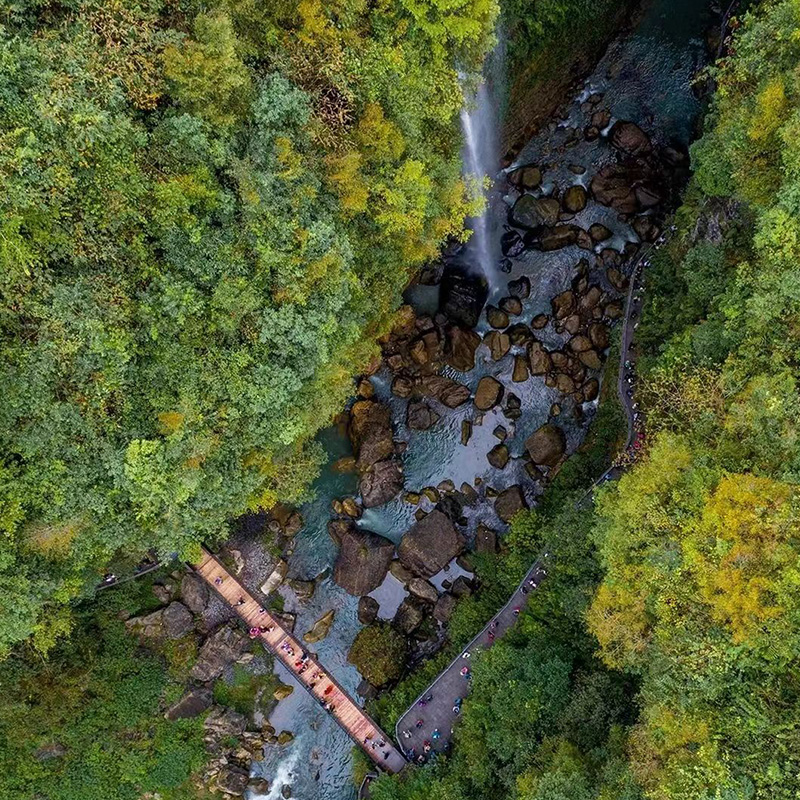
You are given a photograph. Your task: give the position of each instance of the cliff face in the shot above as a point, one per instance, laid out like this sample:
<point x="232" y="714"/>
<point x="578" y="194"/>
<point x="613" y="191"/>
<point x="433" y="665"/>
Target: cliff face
<point x="547" y="56"/>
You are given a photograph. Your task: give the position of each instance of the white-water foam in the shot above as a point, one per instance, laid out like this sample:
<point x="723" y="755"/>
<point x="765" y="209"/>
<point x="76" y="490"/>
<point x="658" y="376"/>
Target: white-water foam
<point x="480" y="160"/>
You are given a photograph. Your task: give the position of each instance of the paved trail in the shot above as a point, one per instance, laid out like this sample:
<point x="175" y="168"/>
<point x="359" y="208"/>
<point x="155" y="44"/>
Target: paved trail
<point x="430" y="722"/>
<point x="438" y="714"/>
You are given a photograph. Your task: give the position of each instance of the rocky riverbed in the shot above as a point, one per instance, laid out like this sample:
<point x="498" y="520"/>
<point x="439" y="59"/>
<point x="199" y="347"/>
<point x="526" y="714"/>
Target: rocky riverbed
<point x="486" y="384"/>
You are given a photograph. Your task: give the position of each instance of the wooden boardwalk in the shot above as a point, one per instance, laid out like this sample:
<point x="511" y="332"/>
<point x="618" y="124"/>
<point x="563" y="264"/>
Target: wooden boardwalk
<point x="303" y="666"/>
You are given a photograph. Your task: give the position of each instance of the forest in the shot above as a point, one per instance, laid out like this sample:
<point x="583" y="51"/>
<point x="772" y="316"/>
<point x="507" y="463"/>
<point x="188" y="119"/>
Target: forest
<point x="210" y="212"/>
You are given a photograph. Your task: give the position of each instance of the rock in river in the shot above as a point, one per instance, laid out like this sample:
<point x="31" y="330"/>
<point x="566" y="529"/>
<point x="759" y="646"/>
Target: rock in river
<point x="423" y="589"/>
<point x="488" y="394"/>
<point x="498" y="456"/>
<point x="371" y="432"/>
<point x="461" y="345"/>
<point x="420" y="416"/>
<point x="496" y="317"/>
<point x="539" y="359"/>
<point x="558" y="237"/>
<point x="381" y="483"/>
<point x="430" y="544"/>
<point x="528" y="177"/>
<point x="534" y="212"/>
<point x="320" y="629"/>
<point x="574" y="199"/>
<point x="363" y="560"/>
<point x="462" y="297"/>
<point x="629" y="138"/>
<point x="368" y="608"/>
<point x="499" y="344"/>
<point x="409" y="615"/>
<point x="232" y="780"/>
<point x="547" y="445"/>
<point x="448" y="392"/>
<point x="509" y="502"/>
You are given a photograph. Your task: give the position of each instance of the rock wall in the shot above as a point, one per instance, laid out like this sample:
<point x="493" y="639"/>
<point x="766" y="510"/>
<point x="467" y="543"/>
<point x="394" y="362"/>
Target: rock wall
<point x="537" y="87"/>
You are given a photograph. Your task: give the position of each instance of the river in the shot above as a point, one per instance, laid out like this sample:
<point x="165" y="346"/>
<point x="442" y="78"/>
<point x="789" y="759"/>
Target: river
<point x="645" y="77"/>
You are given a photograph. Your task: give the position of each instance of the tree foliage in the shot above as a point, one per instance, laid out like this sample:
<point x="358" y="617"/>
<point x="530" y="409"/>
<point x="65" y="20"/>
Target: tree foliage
<point x="209" y="211"/>
<point x="700" y="541"/>
<point x="88" y="722"/>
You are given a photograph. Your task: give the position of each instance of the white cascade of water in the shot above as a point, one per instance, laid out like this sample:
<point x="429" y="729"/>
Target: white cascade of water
<point x="480" y="160"/>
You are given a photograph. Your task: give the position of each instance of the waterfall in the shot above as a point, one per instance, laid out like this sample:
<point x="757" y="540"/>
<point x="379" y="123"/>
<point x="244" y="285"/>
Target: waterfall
<point x="480" y="159"/>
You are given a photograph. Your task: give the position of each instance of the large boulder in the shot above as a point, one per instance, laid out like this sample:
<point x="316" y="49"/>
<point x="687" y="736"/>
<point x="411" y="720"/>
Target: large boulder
<point x="509" y="503"/>
<point x="488" y="394"/>
<point x="498" y="456"/>
<point x="558" y="237"/>
<point x="485" y="540"/>
<point x="363" y="560"/>
<point x="371" y="432"/>
<point x="629" y="138"/>
<point x="574" y="199"/>
<point x="409" y="615"/>
<point x="448" y="392"/>
<point x="423" y="589"/>
<point x="225" y="646"/>
<point x="563" y="304"/>
<point x="528" y="177"/>
<point x="178" y="620"/>
<point x="430" y="544"/>
<point x="546" y="446"/>
<point x="444" y="607"/>
<point x="368" y="608"/>
<point x="534" y="212"/>
<point x="381" y="483"/>
<point x="194" y="592"/>
<point x="462" y="297"/>
<point x="222" y="723"/>
<point x="420" y="416"/>
<point x="498" y="343"/>
<point x="232" y="780"/>
<point x="460" y="348"/>
<point x="627" y="187"/>
<point x="539" y="359"/>
<point x="192" y="704"/>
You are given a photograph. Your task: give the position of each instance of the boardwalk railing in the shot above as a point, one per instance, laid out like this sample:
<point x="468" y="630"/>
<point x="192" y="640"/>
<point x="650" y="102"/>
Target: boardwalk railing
<point x="305" y="668"/>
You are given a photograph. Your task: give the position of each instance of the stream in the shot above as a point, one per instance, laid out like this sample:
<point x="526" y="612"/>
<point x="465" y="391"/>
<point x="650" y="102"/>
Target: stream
<point x="644" y="77"/>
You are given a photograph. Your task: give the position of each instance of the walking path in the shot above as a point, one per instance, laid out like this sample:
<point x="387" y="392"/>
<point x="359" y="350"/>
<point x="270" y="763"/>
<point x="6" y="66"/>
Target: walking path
<point x="304" y="666"/>
<point x="435" y="707"/>
<point x="429" y="723"/>
<point x="627" y="365"/>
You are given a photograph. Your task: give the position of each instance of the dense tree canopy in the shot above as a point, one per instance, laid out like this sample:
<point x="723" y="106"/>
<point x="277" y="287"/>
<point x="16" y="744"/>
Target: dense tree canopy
<point x="88" y="722"/>
<point x="700" y="541"/>
<point x="208" y="213"/>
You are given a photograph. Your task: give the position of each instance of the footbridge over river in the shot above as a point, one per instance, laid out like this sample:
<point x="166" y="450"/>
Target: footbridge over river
<point x="303" y="666"/>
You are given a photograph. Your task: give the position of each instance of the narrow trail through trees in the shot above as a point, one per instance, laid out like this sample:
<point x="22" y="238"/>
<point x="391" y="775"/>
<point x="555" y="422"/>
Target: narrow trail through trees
<point x="427" y="727"/>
